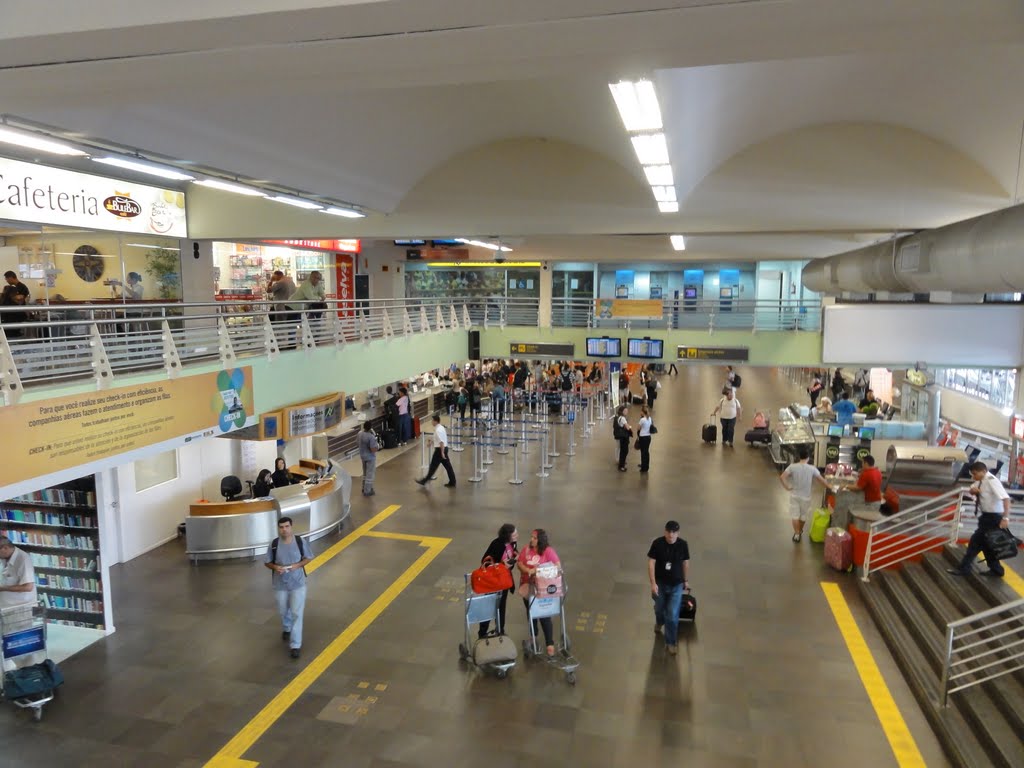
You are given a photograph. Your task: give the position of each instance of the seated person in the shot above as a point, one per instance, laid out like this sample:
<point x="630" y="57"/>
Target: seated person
<point x="870" y="480"/>
<point x="262" y="485"/>
<point x="132" y="289"/>
<point x="281" y="476"/>
<point x="844" y="410"/>
<point x="823" y="410"/>
<point x="868" y="406"/>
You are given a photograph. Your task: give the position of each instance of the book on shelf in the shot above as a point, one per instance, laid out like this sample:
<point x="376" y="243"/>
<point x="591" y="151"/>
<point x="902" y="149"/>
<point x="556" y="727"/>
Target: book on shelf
<point x="60" y="581"/>
<point x="65" y="497"/>
<point x="71" y="603"/>
<point x="45" y="560"/>
<point x="48" y="517"/>
<point x="35" y="538"/>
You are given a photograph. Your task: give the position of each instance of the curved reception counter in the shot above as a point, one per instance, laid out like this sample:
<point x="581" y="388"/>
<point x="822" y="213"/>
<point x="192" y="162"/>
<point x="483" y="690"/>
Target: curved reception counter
<point x="245" y="528"/>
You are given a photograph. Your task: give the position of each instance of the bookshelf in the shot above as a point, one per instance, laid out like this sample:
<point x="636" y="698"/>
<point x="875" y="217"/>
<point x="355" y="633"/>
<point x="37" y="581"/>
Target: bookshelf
<point x="59" y="528"/>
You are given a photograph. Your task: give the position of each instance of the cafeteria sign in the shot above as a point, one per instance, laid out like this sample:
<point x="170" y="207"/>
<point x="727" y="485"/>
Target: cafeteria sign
<point x="713" y="354"/>
<point x="65" y="432"/>
<point x="541" y="349"/>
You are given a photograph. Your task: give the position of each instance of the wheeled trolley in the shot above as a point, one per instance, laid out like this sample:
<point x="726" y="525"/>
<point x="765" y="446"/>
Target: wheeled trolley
<point x="546" y="599"/>
<point x="23" y="633"/>
<point x="495" y="652"/>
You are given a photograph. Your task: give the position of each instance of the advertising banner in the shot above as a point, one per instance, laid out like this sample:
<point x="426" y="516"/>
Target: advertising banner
<point x="606" y="309"/>
<point x="36" y="193"/>
<point x="345" y="274"/>
<point x="64" y="432"/>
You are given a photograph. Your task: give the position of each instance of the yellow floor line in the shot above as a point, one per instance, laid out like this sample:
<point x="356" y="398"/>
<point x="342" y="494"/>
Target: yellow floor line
<point x="902" y="743"/>
<point x="328" y="554"/>
<point x="230" y="756"/>
<point x="398" y="536"/>
<point x="1015" y="582"/>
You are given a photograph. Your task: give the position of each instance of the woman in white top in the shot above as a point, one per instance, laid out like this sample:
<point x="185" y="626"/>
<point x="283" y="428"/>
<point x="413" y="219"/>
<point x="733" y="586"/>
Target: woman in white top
<point x="643" y="439"/>
<point x="622" y="433"/>
<point x="730" y="409"/>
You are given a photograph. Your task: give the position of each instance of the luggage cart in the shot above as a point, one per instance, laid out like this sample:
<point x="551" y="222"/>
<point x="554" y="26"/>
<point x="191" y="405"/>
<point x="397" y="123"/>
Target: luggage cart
<point x="546" y="600"/>
<point x="23" y="632"/>
<point x="481" y="608"/>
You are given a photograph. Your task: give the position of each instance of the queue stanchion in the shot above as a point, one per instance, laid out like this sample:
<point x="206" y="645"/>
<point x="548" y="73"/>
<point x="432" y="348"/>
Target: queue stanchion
<point x="477" y="477"/>
<point x="588" y="412"/>
<point x="488" y="459"/>
<point x="424" y="463"/>
<point x="526" y="443"/>
<point x="572" y="434"/>
<point x="516" y="480"/>
<point x="544" y="466"/>
<point x="548" y="437"/>
<point x="502" y="448"/>
<point x="553" y="453"/>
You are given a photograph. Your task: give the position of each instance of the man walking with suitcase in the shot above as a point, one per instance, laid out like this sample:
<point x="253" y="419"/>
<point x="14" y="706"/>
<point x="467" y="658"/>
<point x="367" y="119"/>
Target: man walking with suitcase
<point x="993" y="512"/>
<point x="287" y="557"/>
<point x="440" y="457"/>
<point x="668" y="568"/>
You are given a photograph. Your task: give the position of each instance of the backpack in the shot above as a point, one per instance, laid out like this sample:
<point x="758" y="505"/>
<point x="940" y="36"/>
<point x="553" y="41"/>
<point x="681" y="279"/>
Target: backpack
<point x="736" y="380"/>
<point x="567" y="378"/>
<point x="298" y="540"/>
<point x="391" y="408"/>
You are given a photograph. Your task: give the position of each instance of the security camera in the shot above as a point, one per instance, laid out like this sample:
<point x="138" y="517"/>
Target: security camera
<point x="499" y="257"/>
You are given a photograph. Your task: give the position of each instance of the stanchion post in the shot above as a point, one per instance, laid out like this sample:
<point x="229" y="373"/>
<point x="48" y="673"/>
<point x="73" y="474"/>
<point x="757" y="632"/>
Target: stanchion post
<point x="526" y="443"/>
<point x="544" y="466"/>
<point x="516" y="480"/>
<point x="554" y="442"/>
<point x="477" y="477"/>
<point x="572" y="434"/>
<point x="424" y="464"/>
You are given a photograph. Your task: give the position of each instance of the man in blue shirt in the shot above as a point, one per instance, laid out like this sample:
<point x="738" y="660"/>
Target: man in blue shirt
<point x="287" y="557"/>
<point x="844" y="410"/>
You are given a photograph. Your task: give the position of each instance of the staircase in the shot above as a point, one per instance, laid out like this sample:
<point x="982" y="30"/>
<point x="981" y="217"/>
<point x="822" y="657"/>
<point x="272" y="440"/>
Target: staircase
<point x="912" y="604"/>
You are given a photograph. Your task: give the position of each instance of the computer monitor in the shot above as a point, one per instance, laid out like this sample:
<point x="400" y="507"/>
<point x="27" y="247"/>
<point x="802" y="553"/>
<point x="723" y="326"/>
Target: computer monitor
<point x="867" y="433"/>
<point x="835" y="430"/>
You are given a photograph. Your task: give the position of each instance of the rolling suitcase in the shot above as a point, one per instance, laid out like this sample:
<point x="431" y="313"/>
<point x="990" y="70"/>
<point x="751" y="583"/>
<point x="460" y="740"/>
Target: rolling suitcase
<point x="839" y="549"/>
<point x="709" y="433"/>
<point x="390" y="438"/>
<point x="494" y="649"/>
<point x="688" y="607"/>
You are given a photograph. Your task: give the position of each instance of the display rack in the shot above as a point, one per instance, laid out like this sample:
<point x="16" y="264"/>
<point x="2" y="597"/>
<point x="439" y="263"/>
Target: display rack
<point x="59" y="528"/>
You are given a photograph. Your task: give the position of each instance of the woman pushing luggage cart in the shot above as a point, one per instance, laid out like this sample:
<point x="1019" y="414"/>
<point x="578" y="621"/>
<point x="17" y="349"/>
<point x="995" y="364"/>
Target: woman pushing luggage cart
<point x="542" y="587"/>
<point x="492" y="651"/>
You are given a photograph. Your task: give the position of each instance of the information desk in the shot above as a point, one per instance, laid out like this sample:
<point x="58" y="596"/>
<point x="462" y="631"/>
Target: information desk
<point x="245" y="528"/>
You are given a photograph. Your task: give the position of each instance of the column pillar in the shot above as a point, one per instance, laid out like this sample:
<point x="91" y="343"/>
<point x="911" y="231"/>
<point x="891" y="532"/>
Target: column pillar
<point x="544" y="309"/>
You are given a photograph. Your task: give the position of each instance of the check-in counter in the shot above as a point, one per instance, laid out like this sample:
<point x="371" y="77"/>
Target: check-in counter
<point x="245" y="528"/>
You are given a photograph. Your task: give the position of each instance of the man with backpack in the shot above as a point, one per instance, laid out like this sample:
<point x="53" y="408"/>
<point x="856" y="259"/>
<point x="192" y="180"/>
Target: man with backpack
<point x="287" y="557"/>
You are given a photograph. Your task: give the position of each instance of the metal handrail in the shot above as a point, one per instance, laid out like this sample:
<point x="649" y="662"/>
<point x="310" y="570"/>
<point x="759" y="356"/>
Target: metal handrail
<point x="962" y="662"/>
<point x="914" y="531"/>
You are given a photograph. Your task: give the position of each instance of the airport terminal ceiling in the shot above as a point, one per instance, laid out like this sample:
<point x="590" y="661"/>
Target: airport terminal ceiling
<point x="793" y="130"/>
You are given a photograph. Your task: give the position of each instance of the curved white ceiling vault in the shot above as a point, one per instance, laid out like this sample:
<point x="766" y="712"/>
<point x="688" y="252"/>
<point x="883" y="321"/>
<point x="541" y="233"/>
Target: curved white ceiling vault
<point x="794" y="126"/>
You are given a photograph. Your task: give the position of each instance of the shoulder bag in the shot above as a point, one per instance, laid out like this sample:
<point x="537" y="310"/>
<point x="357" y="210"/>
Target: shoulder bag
<point x="490" y="577"/>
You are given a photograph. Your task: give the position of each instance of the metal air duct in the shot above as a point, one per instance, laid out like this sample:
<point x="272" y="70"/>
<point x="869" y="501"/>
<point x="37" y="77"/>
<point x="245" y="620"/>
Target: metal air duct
<point x="980" y="255"/>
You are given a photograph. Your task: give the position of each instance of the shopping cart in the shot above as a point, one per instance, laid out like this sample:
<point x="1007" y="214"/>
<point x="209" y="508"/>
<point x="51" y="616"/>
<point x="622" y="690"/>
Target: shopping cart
<point x="481" y="608"/>
<point x="23" y="632"/>
<point x="546" y="599"/>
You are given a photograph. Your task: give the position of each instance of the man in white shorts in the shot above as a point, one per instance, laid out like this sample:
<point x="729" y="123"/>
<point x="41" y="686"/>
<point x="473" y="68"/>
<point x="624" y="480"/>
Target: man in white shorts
<point x="799" y="480"/>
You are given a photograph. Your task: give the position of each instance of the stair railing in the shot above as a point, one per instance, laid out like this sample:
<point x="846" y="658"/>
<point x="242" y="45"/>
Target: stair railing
<point x="982" y="647"/>
<point x="921" y="528"/>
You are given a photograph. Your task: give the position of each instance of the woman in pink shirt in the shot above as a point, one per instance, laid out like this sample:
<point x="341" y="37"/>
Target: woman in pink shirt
<point x="539" y="552"/>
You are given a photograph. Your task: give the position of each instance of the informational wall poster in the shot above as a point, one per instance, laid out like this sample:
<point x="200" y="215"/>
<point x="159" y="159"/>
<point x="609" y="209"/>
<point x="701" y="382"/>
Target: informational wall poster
<point x="608" y="308"/>
<point x="48" y="436"/>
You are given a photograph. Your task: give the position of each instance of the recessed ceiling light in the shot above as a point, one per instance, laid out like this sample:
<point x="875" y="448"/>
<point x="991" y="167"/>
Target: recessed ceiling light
<point x="651" y="149"/>
<point x="664" y="194"/>
<point x="482" y="244"/>
<point x="668" y="207"/>
<point x="659" y="175"/>
<point x="31" y="141"/>
<point x="152" y="170"/>
<point x="225" y="186"/>
<point x="638" y="105"/>
<point x="678" y="242"/>
<point x="349" y="214"/>
<point x="297" y="202"/>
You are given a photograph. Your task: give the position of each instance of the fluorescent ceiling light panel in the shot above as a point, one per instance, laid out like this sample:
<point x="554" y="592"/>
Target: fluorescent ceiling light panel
<point x="30" y="141"/>
<point x="678" y="242"/>
<point x="651" y="149"/>
<point x="297" y="202"/>
<point x="225" y="186"/>
<point x="344" y="212"/>
<point x="659" y="175"/>
<point x="482" y="244"/>
<point x="664" y="194"/>
<point x="668" y="207"/>
<point x="638" y="105"/>
<point x="150" y="245"/>
<point x="152" y="170"/>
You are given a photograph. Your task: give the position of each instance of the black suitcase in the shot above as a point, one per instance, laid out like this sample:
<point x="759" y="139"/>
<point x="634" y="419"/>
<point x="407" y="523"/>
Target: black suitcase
<point x="709" y="433"/>
<point x="758" y="436"/>
<point x="390" y="438"/>
<point x="688" y="607"/>
<point x="638" y="400"/>
<point x="1001" y="543"/>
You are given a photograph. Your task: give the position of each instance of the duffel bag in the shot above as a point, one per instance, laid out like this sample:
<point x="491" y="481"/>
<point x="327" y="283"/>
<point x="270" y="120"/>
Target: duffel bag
<point x="490" y="577"/>
<point x="33" y="680"/>
<point x="494" y="649"/>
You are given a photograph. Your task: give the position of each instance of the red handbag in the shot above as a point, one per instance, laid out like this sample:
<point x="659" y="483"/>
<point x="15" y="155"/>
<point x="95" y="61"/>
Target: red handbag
<point x="490" y="577"/>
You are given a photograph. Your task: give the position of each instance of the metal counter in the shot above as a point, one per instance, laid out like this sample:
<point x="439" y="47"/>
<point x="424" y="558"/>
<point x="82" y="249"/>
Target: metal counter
<point x="923" y="466"/>
<point x="220" y="537"/>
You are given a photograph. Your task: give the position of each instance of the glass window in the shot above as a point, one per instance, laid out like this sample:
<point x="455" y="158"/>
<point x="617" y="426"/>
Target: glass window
<point x="997" y="386"/>
<point x="157" y="469"/>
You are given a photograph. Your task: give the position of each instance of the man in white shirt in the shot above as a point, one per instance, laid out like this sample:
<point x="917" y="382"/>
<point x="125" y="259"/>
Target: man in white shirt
<point x="730" y="409"/>
<point x="18" y="579"/>
<point x="799" y="480"/>
<point x="440" y="457"/>
<point x="311" y="290"/>
<point x="993" y="512"/>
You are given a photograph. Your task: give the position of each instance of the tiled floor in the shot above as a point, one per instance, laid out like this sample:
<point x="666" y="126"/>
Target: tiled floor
<point x="762" y="679"/>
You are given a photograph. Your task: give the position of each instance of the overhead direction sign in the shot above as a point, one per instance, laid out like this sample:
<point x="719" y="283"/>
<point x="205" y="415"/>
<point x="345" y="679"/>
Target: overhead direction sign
<point x="713" y="354"/>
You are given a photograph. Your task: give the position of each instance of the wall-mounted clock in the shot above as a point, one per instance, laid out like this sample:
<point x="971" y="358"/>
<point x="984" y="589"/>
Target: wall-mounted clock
<point x="87" y="263"/>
